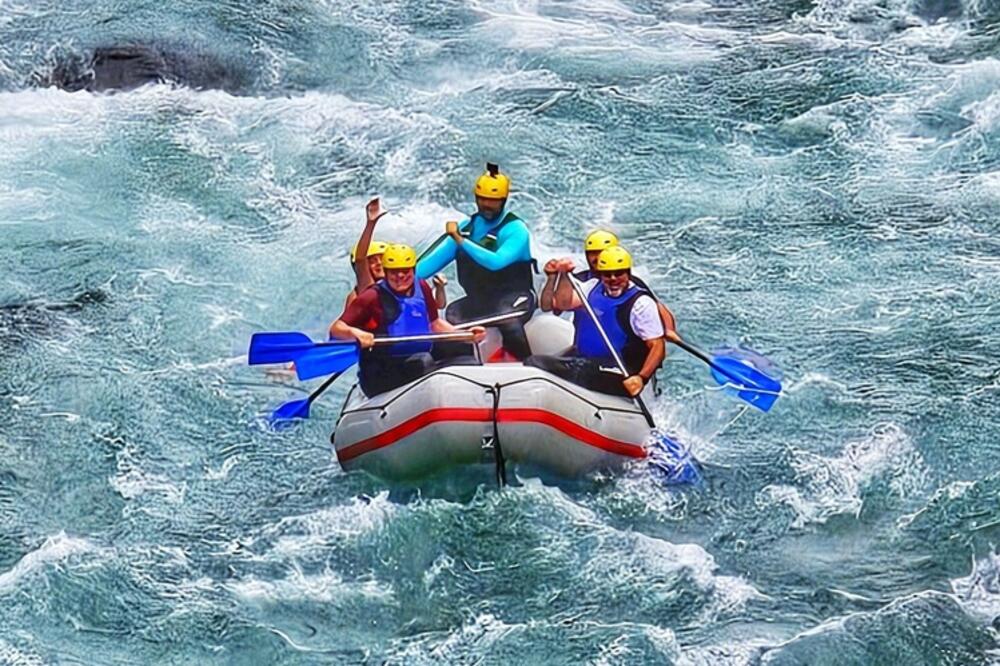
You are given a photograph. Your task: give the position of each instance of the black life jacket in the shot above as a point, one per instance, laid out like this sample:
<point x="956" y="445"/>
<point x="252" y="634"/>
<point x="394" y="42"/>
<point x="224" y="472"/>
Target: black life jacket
<point x="483" y="285"/>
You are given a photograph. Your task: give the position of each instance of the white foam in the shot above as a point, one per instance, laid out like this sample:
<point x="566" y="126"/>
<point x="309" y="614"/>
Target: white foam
<point x="53" y="550"/>
<point x="656" y="559"/>
<point x="477" y="636"/>
<point x="743" y="653"/>
<point x="830" y="486"/>
<point x="223" y="471"/>
<point x="326" y="587"/>
<point x="311" y="533"/>
<point x="579" y="32"/>
<point x="135" y="483"/>
<point x="979" y="592"/>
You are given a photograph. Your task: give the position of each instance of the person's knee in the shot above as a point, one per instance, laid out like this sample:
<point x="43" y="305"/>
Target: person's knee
<point x="419" y="362"/>
<point x="545" y="362"/>
<point x="534" y="361"/>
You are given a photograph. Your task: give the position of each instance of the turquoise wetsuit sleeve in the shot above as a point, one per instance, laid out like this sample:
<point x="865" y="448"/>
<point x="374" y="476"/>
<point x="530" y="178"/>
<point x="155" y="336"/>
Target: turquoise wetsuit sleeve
<point x="513" y="245"/>
<point x="436" y="259"/>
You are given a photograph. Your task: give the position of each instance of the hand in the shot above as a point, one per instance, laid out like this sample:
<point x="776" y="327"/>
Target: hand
<point x="365" y="339"/>
<point x="565" y="265"/>
<point x="671" y="336"/>
<point x="478" y="333"/>
<point x="451" y="228"/>
<point x="372" y="211"/>
<point x="551" y="267"/>
<point x="439" y="280"/>
<point x="633" y="385"/>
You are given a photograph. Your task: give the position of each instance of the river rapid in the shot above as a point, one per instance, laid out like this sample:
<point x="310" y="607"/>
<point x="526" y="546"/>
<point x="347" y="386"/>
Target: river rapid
<point x="818" y="180"/>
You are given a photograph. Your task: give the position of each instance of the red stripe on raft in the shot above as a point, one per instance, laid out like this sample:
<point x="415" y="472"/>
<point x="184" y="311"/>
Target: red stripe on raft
<point x="571" y="429"/>
<point x="485" y="415"/>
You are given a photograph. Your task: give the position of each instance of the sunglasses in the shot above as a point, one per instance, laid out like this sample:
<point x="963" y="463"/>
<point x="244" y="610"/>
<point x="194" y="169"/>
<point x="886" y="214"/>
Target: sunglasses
<point x="613" y="274"/>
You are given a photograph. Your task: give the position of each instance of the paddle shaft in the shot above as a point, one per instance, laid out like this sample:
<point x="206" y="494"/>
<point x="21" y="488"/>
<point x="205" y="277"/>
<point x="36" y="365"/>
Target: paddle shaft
<point x="496" y="319"/>
<point x="453" y="335"/>
<point x="456" y="335"/>
<point x="324" y="386"/>
<point x="694" y="351"/>
<point x="607" y="343"/>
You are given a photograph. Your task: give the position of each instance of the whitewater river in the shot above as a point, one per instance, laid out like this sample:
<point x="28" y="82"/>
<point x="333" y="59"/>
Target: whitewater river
<point x="818" y="180"/>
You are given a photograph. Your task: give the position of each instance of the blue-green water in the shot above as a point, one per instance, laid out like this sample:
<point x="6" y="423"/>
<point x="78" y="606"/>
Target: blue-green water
<point x="818" y="180"/>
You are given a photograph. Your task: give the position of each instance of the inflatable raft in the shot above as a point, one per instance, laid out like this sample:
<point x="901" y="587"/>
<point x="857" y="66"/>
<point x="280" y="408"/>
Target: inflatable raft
<point x="482" y="414"/>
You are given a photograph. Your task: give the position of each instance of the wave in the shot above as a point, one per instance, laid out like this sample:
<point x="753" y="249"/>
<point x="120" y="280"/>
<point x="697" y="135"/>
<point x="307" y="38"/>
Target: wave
<point x="51" y="552"/>
<point x="831" y="486"/>
<point x="925" y="628"/>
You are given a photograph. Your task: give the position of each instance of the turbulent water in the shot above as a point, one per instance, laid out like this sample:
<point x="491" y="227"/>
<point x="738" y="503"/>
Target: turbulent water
<point x="818" y="180"/>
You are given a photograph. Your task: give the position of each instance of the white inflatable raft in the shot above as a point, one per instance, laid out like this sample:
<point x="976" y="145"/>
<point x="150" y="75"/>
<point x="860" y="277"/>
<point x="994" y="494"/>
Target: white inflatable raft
<point x="468" y="414"/>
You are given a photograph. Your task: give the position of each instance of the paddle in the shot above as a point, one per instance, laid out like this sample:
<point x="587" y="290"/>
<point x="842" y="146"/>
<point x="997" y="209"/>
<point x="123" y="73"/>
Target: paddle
<point x="663" y="449"/>
<point x="326" y="359"/>
<point x="286" y="346"/>
<point x="299" y="409"/>
<point x="283" y="347"/>
<point x="337" y="359"/>
<point x="750" y="384"/>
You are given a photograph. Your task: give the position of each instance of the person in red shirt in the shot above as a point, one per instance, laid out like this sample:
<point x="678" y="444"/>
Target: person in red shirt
<point x="396" y="306"/>
<point x="370" y="271"/>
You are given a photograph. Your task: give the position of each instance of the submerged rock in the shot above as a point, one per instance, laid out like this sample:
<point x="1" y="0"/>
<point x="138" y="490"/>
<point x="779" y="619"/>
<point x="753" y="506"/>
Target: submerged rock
<point x="129" y="66"/>
<point x="21" y="322"/>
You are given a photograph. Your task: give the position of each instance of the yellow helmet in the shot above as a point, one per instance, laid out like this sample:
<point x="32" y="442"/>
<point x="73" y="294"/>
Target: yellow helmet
<point x="599" y="240"/>
<point x="374" y="248"/>
<point x="492" y="184"/>
<point x="399" y="256"/>
<point x="614" y="258"/>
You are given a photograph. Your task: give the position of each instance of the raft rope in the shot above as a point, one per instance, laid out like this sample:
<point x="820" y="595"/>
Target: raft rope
<point x="497" y="449"/>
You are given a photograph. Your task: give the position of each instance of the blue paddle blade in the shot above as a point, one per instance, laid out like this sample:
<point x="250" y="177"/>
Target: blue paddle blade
<point x="742" y="379"/>
<point x="277" y="347"/>
<point x="672" y="463"/>
<point x="283" y="415"/>
<point x="326" y="360"/>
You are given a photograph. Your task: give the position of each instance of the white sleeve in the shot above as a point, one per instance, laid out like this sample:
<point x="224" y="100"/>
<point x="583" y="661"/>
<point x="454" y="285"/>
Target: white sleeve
<point x="588" y="286"/>
<point x="645" y="319"/>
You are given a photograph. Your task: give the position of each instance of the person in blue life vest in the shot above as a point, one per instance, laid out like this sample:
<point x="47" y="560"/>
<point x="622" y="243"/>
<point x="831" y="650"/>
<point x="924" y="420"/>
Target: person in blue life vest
<point x="396" y="306"/>
<point x="629" y="317"/>
<point x="492" y="252"/>
<point x="595" y="242"/>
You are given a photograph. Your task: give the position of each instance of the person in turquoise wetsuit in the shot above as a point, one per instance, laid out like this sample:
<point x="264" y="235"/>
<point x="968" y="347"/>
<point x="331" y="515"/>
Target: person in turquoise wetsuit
<point x="492" y="252"/>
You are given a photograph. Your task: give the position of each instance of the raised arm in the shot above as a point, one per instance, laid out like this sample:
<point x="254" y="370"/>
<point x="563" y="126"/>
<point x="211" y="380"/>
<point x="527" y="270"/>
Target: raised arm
<point x="440" y="294"/>
<point x="362" y="275"/>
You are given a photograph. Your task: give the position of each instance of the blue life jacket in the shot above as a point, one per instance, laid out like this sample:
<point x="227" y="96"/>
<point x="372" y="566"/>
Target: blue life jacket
<point x="614" y="315"/>
<point x="404" y="315"/>
<point x="587" y="275"/>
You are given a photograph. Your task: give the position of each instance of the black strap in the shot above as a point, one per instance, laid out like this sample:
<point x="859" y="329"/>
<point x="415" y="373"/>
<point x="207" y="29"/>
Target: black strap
<point x="501" y="464"/>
